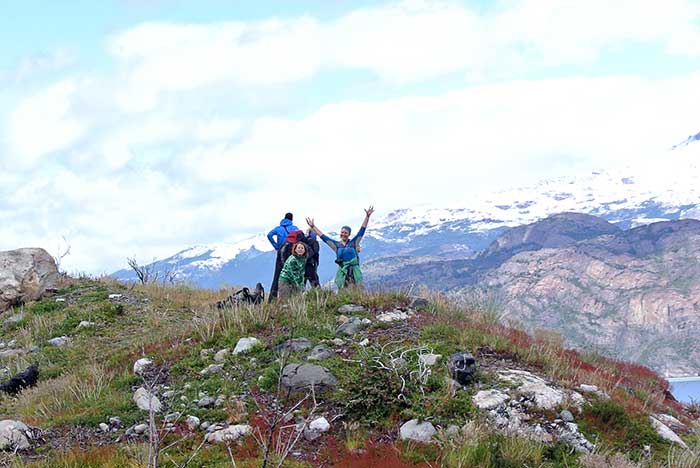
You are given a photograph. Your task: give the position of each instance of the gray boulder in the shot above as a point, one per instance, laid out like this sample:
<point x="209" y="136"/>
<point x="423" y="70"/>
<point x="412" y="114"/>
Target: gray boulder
<point x="462" y="367"/>
<point x="293" y="345"/>
<point x="351" y="309"/>
<point x="418" y="431"/>
<point x="26" y="275"/>
<point x="14" y="435"/>
<point x="301" y="377"/>
<point x="319" y="353"/>
<point x="352" y="326"/>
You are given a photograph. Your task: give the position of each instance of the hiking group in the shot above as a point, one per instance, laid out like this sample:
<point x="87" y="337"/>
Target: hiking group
<point x="297" y="257"/>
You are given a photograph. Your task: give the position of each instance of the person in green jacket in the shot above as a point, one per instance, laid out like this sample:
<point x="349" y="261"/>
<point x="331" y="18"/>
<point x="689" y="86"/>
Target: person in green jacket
<point x="292" y="275"/>
<point x="346" y="250"/>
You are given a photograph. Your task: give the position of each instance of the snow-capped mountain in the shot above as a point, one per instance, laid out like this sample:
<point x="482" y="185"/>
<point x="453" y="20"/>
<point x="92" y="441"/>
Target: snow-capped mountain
<point x="664" y="189"/>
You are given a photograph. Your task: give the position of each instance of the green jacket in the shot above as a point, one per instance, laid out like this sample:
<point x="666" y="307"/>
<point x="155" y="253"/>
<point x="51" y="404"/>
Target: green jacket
<point x="293" y="271"/>
<point x="343" y="272"/>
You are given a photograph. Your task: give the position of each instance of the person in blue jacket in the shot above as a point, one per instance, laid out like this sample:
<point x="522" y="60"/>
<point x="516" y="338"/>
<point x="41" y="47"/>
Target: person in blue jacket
<point x="346" y="250"/>
<point x="278" y="237"/>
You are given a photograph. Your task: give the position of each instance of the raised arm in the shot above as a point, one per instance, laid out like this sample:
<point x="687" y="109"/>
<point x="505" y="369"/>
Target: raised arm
<point x="368" y="213"/>
<point x="312" y="225"/>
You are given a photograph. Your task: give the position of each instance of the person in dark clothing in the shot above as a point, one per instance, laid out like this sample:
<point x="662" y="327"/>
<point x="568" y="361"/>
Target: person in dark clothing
<point x="311" y="274"/>
<point x="278" y="238"/>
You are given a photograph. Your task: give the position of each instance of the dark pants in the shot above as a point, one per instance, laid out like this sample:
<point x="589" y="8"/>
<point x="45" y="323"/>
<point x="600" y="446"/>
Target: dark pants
<point x="311" y="275"/>
<point x="274" y="288"/>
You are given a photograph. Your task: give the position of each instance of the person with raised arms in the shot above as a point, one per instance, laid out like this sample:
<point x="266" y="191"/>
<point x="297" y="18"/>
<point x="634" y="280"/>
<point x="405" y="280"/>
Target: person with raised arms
<point x="345" y="249"/>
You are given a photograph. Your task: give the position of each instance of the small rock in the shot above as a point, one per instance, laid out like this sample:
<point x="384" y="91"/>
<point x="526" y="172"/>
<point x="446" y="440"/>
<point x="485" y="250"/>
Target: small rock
<point x="142" y="365"/>
<point x="419" y="303"/>
<point x="342" y="319"/>
<point x="205" y="425"/>
<point x="114" y="296"/>
<point x="566" y="416"/>
<point x="462" y="367"/>
<point x="300" y="377"/>
<point x="395" y="316"/>
<point x="14" y="318"/>
<point x="489" y="399"/>
<point x="245" y="345"/>
<point x="317" y="427"/>
<point x="204" y="353"/>
<point x="352" y="326"/>
<point x="212" y="369"/>
<point x="364" y="342"/>
<point x="60" y="299"/>
<point x="595" y="390"/>
<point x="319" y="353"/>
<point x="293" y="345"/>
<point x="140" y="428"/>
<point x="337" y="342"/>
<point x="14" y="435"/>
<point x="577" y="401"/>
<point x="429" y="359"/>
<point x="104" y="427"/>
<point x="193" y="422"/>
<point x="229" y="434"/>
<point x="206" y="402"/>
<point x="221" y="355"/>
<point x="420" y="432"/>
<point x="452" y="430"/>
<point x="172" y="417"/>
<point x="85" y="324"/>
<point x="351" y="309"/>
<point x="545" y="397"/>
<point x="666" y="433"/>
<point x="169" y="394"/>
<point x="11" y="352"/>
<point x="145" y="401"/>
<point x="59" y="341"/>
<point x="115" y="421"/>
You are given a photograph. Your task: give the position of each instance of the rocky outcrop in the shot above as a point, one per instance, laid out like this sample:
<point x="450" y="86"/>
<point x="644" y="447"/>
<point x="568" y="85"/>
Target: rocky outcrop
<point x="26" y="275"/>
<point x="302" y="377"/>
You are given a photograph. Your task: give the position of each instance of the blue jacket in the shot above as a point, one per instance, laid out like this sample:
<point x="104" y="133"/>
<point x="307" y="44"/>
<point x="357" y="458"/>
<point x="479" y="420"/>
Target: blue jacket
<point x="344" y="252"/>
<point x="278" y="235"/>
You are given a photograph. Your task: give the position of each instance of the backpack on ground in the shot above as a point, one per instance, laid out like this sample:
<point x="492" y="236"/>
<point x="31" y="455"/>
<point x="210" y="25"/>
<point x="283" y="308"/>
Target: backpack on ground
<point x="243" y="296"/>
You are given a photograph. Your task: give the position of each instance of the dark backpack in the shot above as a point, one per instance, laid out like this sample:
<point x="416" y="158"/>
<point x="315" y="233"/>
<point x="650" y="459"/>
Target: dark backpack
<point x="243" y="296"/>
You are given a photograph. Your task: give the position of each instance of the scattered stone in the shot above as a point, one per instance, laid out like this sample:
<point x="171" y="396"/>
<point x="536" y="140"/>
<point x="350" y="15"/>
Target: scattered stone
<point x="204" y="354"/>
<point x="429" y="359"/>
<point x="394" y="316"/>
<point x="212" y="369"/>
<point x="594" y="390"/>
<point x="172" y="417"/>
<point x="337" y="342"/>
<point x="245" y="344"/>
<point x="206" y="402"/>
<point x="568" y="432"/>
<point x="146" y="401"/>
<point x="193" y="423"/>
<point x="14" y="319"/>
<point x="566" y="416"/>
<point x="462" y="367"/>
<point x="169" y="394"/>
<point x="11" y="352"/>
<point x="489" y="399"/>
<point x="317" y="427"/>
<point x="205" y="425"/>
<point x="364" y="342"/>
<point x="546" y="397"/>
<point x="14" y="435"/>
<point x="229" y="434"/>
<point x="342" y="319"/>
<point x="352" y="326"/>
<point x="666" y="433"/>
<point x="415" y="430"/>
<point x="293" y="345"/>
<point x="103" y="427"/>
<point x="319" y="353"/>
<point x="142" y="365"/>
<point x="419" y="303"/>
<point x="140" y="428"/>
<point x="351" y="309"/>
<point x="115" y="421"/>
<point x="59" y="341"/>
<point x="114" y="296"/>
<point x="220" y="400"/>
<point x="85" y="324"/>
<point x="60" y="299"/>
<point x="519" y="377"/>
<point x="301" y="377"/>
<point x="221" y="355"/>
<point x="452" y="430"/>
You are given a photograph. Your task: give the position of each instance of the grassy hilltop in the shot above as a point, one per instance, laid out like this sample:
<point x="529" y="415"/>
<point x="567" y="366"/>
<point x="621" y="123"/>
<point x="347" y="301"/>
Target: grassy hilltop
<point x="382" y="381"/>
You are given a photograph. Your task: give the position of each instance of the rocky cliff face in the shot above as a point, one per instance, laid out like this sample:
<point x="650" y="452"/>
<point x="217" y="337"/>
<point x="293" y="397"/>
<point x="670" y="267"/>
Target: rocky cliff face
<point x="631" y="294"/>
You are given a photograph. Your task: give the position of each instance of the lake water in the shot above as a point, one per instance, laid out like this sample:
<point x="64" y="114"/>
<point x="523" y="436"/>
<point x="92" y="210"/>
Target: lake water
<point x="686" y="389"/>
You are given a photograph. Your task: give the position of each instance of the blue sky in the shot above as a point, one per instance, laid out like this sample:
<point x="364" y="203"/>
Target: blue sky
<point x="140" y="127"/>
